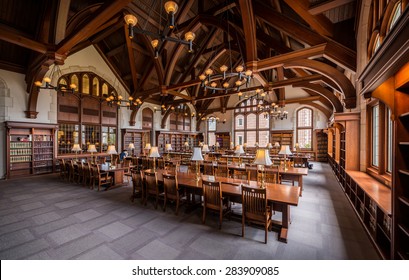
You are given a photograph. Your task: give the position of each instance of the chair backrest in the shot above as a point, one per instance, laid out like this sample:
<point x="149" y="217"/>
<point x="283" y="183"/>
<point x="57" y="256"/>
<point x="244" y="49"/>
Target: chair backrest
<point x="272" y="175"/>
<point x="254" y="202"/>
<point x="222" y="170"/>
<point x="252" y="172"/>
<point x="127" y="162"/>
<point x="212" y="193"/>
<point x="240" y="174"/>
<point x="208" y="168"/>
<point x="151" y="180"/>
<point x="136" y="178"/>
<point x="170" y="184"/>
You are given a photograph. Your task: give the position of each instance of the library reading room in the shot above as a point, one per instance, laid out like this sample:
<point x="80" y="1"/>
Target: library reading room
<point x="204" y="130"/>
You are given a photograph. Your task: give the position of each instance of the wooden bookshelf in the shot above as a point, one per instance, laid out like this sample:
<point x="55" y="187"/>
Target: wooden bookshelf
<point x="401" y="167"/>
<point x="177" y="139"/>
<point x="223" y="138"/>
<point x="283" y="137"/>
<point x="139" y="137"/>
<point x="322" y="145"/>
<point x="30" y="148"/>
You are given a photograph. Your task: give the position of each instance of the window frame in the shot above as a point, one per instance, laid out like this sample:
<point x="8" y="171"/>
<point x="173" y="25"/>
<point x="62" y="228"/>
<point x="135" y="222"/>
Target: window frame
<point x="248" y="108"/>
<point x="310" y="127"/>
<point x="379" y="172"/>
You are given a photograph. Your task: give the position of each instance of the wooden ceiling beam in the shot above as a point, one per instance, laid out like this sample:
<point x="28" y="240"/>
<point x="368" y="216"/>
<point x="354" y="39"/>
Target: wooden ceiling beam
<point x="308" y="87"/>
<point x="319" y="23"/>
<point x="116" y="51"/>
<point x="106" y="11"/>
<point x="280" y="60"/>
<point x="15" y="37"/>
<point x="249" y="28"/>
<point x="327" y="5"/>
<point x="131" y="57"/>
<point x="337" y="53"/>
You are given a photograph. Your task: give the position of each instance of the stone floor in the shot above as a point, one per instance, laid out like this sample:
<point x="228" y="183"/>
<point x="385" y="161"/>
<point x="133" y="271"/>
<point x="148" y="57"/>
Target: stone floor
<point x="43" y="217"/>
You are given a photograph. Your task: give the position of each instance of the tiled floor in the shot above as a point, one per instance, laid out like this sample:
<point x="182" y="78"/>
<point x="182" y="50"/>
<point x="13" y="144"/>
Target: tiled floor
<point x="43" y="217"/>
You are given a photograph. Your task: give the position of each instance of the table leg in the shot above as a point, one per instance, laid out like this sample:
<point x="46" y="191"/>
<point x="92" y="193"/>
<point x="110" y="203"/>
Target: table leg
<point x="300" y="184"/>
<point x="284" y="223"/>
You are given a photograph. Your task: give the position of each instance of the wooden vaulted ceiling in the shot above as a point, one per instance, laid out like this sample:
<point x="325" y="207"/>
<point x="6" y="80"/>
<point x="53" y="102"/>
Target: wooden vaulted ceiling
<point x="308" y="44"/>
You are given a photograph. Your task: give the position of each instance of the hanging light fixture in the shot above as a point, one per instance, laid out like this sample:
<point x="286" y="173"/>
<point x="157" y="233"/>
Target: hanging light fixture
<point x="171" y="8"/>
<point x="46" y="83"/>
<point x="120" y="102"/>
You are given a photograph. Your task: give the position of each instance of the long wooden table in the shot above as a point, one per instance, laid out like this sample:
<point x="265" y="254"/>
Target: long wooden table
<point x="117" y="172"/>
<point x="283" y="196"/>
<point x="292" y="173"/>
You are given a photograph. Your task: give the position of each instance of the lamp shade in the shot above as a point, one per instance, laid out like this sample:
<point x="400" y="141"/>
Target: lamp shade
<point x="168" y="147"/>
<point x="205" y="148"/>
<point x="231" y="145"/>
<point x="297" y="146"/>
<point x="262" y="157"/>
<point x="154" y="153"/>
<point x="111" y="150"/>
<point x="269" y="146"/>
<point x="76" y="148"/>
<point x="245" y="145"/>
<point x="148" y="146"/>
<point x="131" y="146"/>
<point x="186" y="144"/>
<point x="217" y="144"/>
<point x="256" y="144"/>
<point x="276" y="145"/>
<point x="239" y="149"/>
<point x="91" y="148"/>
<point x="197" y="154"/>
<point x="285" y="150"/>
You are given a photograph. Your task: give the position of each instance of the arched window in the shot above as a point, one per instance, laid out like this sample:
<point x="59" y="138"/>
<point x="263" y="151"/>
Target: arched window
<point x="250" y="125"/>
<point x="397" y="12"/>
<point x="85" y="84"/>
<point x="74" y="80"/>
<point x="104" y="89"/>
<point x="304" y="128"/>
<point x="95" y="86"/>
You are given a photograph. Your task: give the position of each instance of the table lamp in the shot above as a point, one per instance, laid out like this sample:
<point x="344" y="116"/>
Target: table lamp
<point x="263" y="159"/>
<point x="245" y="147"/>
<point x="92" y="150"/>
<point x="131" y="147"/>
<point x="297" y="148"/>
<point x="111" y="151"/>
<point x="285" y="150"/>
<point x="147" y="148"/>
<point x="231" y="146"/>
<point x="238" y="151"/>
<point x="197" y="156"/>
<point x="76" y="148"/>
<point x="276" y="147"/>
<point x="186" y="146"/>
<point x="168" y="148"/>
<point x="217" y="145"/>
<point x="154" y="153"/>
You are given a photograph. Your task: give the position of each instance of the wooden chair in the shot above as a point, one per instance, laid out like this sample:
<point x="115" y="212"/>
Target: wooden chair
<point x="252" y="172"/>
<point x="172" y="168"/>
<point x="208" y="168"/>
<point x="255" y="209"/>
<point x="73" y="172"/>
<point x="85" y="171"/>
<point x="115" y="160"/>
<point x="63" y="169"/>
<point x="172" y="191"/>
<point x="222" y="170"/>
<point x="298" y="161"/>
<point x="272" y="175"/>
<point x="102" y="178"/>
<point x="127" y="163"/>
<point x="213" y="200"/>
<point x="240" y="174"/>
<point x="152" y="187"/>
<point x="137" y="184"/>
